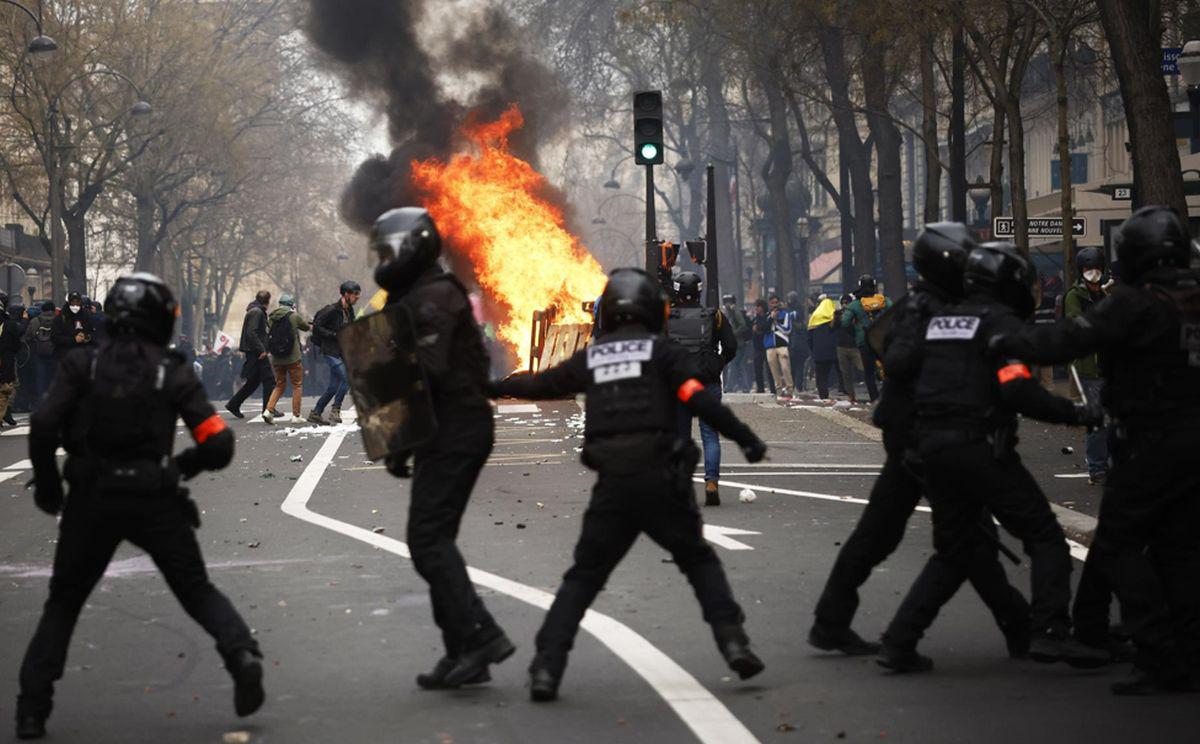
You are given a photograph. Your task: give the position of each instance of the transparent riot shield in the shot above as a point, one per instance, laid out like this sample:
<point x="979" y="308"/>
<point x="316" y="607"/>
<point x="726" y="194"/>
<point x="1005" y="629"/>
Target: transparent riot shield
<point x="391" y="394"/>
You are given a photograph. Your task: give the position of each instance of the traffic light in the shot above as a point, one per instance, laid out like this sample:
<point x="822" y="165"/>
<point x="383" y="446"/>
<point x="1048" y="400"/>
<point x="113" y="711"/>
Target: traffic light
<point x="647" y="128"/>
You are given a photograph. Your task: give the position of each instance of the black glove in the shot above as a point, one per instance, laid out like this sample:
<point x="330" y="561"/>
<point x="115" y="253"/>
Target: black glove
<point x="48" y="495"/>
<point x="1089" y="414"/>
<point x="397" y="464"/>
<point x="755" y="450"/>
<point x="188" y="463"/>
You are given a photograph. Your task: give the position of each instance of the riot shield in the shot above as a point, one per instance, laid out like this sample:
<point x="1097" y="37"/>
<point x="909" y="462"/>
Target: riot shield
<point x="877" y="333"/>
<point x="391" y="394"/>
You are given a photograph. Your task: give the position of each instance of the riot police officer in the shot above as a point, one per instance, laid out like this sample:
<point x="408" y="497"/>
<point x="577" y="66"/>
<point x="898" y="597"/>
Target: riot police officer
<point x="704" y="333"/>
<point x="114" y="411"/>
<point x="450" y="350"/>
<point x="633" y="377"/>
<point x="967" y="401"/>
<point x="1147" y="333"/>
<point x="939" y="254"/>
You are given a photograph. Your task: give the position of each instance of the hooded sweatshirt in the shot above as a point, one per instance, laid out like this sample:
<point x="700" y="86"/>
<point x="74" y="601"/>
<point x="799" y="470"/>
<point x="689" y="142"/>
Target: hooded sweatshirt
<point x="287" y="315"/>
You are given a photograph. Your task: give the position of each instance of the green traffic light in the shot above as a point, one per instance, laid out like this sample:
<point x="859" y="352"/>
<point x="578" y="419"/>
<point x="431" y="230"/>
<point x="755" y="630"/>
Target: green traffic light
<point x="649" y="151"/>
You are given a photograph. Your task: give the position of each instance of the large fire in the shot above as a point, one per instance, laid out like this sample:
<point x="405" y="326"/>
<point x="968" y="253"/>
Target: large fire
<point x="488" y="205"/>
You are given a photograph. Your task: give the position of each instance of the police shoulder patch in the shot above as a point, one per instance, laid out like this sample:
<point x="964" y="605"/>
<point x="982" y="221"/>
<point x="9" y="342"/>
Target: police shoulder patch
<point x="952" y="328"/>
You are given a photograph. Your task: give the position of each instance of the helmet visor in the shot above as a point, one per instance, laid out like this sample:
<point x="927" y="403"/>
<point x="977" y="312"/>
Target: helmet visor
<point x="387" y="248"/>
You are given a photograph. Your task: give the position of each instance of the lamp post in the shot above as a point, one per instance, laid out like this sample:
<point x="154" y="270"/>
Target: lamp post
<point x="1189" y="70"/>
<point x="980" y="193"/>
<point x="140" y="108"/>
<point x="40" y="44"/>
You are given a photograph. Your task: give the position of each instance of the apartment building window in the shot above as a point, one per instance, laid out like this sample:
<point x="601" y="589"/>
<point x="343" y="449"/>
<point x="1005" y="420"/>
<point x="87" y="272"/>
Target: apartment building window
<point x="1079" y="171"/>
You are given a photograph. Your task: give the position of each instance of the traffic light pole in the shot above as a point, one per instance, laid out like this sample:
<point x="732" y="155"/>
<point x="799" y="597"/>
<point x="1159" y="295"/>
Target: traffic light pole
<point x="652" y="257"/>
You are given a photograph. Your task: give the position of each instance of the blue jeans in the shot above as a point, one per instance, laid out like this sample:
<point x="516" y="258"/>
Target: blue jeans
<point x="708" y="437"/>
<point x="1097" y="439"/>
<point x="338" y="385"/>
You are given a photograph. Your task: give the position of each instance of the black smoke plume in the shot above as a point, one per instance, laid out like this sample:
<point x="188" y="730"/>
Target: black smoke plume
<point x="375" y="46"/>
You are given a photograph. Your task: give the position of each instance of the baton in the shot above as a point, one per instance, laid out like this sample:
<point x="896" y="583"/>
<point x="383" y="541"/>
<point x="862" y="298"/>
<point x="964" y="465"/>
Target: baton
<point x="995" y="540"/>
<point x="1078" y="384"/>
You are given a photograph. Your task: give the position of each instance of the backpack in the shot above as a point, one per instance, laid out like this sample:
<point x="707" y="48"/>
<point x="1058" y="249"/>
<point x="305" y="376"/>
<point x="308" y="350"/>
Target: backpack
<point x="873" y="306"/>
<point x="282" y="337"/>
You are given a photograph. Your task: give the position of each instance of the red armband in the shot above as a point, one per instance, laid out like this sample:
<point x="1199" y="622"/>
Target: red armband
<point x="209" y="427"/>
<point x="688" y="389"/>
<point x="1013" y="371"/>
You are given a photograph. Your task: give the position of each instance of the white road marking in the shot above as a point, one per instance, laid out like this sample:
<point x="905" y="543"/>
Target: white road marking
<point x="20" y="465"/>
<point x="719" y="536"/>
<point x="707" y="717"/>
<point x="1070" y="475"/>
<point x="8" y="475"/>
<point x="871" y="473"/>
<point x="506" y="408"/>
<point x="847" y="465"/>
<point x="17" y="431"/>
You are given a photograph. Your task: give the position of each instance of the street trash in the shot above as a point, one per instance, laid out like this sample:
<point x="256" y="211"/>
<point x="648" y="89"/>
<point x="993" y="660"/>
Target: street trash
<point x="377" y="530"/>
<point x="1068" y="450"/>
<point x="747" y="496"/>
<point x="296" y="458"/>
<point x="236" y="737"/>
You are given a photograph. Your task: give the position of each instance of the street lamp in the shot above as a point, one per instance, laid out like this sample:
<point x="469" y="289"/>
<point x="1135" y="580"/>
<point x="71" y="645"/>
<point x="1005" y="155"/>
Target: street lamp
<point x="139" y="109"/>
<point x="1189" y="70"/>
<point x="41" y="44"/>
<point x="685" y="167"/>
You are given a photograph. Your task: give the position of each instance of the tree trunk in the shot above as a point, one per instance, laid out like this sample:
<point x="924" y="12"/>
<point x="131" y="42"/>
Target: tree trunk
<point x="887" y="148"/>
<point x="777" y="175"/>
<point x="996" y="169"/>
<point x="1016" y="167"/>
<point x="856" y="153"/>
<point x="144" y="215"/>
<point x="932" y="211"/>
<point x="1058" y="54"/>
<point x="76" y="254"/>
<point x="1134" y="32"/>
<point x="724" y="156"/>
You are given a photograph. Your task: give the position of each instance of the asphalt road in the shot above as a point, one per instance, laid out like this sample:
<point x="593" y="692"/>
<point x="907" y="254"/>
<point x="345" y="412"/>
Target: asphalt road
<point x="312" y="553"/>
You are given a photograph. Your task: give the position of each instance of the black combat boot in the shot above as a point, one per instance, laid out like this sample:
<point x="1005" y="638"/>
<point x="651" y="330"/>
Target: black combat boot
<point x="545" y="675"/>
<point x="1017" y="636"/>
<point x="31" y="727"/>
<point x="436" y="679"/>
<point x="246" y="669"/>
<point x="490" y="648"/>
<point x="1048" y="648"/>
<point x="840" y="639"/>
<point x="734" y="646"/>
<point x="903" y="660"/>
<point x="8" y="419"/>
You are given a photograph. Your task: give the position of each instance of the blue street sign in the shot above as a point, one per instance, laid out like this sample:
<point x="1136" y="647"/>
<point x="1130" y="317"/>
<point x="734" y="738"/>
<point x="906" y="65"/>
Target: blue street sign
<point x="1170" y="60"/>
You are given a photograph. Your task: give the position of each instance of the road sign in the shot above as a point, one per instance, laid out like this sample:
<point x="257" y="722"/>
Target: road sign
<point x="1039" y="227"/>
<point x="1123" y="193"/>
<point x="1170" y="60"/>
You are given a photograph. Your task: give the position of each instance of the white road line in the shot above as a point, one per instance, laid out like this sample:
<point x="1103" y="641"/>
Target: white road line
<point x="707" y="717"/>
<point x="7" y="475"/>
<point x="516" y="408"/>
<point x="18" y="431"/>
<point x="764" y="465"/>
<point x="871" y="473"/>
<point x="1070" y="475"/>
<point x="20" y="465"/>
<point x="719" y="536"/>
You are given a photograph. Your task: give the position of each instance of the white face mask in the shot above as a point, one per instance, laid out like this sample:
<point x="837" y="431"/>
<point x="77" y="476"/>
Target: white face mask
<point x="1092" y="275"/>
<point x="75" y="308"/>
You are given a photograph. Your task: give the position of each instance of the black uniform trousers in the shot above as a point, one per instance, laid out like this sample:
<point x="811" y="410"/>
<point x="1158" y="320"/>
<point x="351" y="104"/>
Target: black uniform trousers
<point x="258" y="374"/>
<point x="964" y="482"/>
<point x="879" y="531"/>
<point x="445" y="471"/>
<point x="1147" y="546"/>
<point x="621" y="508"/>
<point x="88" y="537"/>
<point x="870" y="370"/>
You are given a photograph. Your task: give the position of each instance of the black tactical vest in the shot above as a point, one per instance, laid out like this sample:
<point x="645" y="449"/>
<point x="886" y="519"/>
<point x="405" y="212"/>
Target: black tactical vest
<point x="1156" y="373"/>
<point x="692" y="328"/>
<point x="957" y="387"/>
<point x="627" y="392"/>
<point x="894" y="411"/>
<point x="126" y="413"/>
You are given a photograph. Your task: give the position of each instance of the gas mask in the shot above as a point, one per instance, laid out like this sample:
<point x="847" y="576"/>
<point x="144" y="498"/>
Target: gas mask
<point x="74" y="308"/>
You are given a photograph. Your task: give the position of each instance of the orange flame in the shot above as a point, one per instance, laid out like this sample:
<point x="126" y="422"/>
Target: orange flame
<point x="488" y="205"/>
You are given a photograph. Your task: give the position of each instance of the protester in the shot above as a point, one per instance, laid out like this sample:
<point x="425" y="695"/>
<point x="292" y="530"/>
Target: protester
<point x="326" y="324"/>
<point x="256" y="369"/>
<point x="737" y="374"/>
<point x="283" y="346"/>
<point x="776" y="344"/>
<point x="823" y="344"/>
<point x="39" y="337"/>
<point x="860" y="314"/>
<point x="849" y="361"/>
<point x="72" y="328"/>
<point x="761" y="326"/>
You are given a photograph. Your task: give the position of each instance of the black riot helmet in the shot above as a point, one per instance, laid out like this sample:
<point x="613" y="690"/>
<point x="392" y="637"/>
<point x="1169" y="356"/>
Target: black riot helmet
<point x="940" y="253"/>
<point x="1000" y="271"/>
<point x="867" y="286"/>
<point x="142" y="304"/>
<point x="1153" y="236"/>
<point x="631" y="296"/>
<point x="406" y="244"/>
<point x="687" y="288"/>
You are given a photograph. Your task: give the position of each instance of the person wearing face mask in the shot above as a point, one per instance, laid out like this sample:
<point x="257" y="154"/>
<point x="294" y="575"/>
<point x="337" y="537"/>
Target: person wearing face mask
<point x="73" y="328"/>
<point x="1080" y="298"/>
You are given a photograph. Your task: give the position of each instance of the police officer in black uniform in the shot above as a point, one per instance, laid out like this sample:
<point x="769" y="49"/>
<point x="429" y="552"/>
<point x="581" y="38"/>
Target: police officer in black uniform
<point x="114" y="411"/>
<point x="967" y="401"/>
<point x="704" y="333"/>
<point x="1147" y="333"/>
<point x="451" y="351"/>
<point x="939" y="254"/>
<point x="633" y="377"/>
